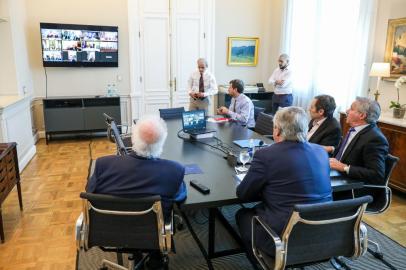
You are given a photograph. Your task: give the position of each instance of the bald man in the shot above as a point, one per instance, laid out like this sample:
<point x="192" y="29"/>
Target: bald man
<point x="281" y="79"/>
<point x="201" y="86"/>
<point x="142" y="172"/>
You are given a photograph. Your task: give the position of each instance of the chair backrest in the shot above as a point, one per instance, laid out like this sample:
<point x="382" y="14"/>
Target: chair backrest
<point x="114" y="135"/>
<point x="318" y="232"/>
<point x="264" y="124"/>
<point x="382" y="195"/>
<point x="390" y="163"/>
<point x="258" y="110"/>
<point x="172" y="113"/>
<point x="123" y="223"/>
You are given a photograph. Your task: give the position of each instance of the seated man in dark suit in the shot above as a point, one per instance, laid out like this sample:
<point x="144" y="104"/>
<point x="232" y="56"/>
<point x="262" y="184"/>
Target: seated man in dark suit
<point x="289" y="172"/>
<point x="142" y="172"/>
<point x="324" y="129"/>
<point x="362" y="152"/>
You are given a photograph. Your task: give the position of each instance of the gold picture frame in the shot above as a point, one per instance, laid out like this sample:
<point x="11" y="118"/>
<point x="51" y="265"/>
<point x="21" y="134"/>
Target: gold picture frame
<point x="395" y="52"/>
<point x="242" y="51"/>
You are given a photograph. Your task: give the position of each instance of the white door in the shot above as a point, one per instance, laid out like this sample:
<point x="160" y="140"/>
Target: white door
<point x="173" y="35"/>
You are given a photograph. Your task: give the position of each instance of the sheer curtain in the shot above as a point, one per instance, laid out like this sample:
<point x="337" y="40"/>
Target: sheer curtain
<point x="328" y="42"/>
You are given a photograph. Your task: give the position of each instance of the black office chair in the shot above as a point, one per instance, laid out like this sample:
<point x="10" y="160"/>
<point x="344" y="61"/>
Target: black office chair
<point x="122" y="141"/>
<point x="264" y="124"/>
<point x="316" y="233"/>
<point x="257" y="111"/>
<point x="124" y="225"/>
<point x="382" y="197"/>
<point x="171" y="113"/>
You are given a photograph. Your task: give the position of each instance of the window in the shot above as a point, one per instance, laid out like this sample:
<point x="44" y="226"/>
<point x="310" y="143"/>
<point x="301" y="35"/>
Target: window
<point x="328" y="43"/>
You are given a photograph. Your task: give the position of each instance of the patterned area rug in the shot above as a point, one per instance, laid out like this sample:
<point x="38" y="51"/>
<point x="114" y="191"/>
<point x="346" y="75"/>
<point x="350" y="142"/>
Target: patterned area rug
<point x="188" y="255"/>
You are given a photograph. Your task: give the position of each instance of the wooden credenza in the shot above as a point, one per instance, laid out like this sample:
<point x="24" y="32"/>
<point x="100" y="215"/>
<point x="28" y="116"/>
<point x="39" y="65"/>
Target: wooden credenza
<point x="395" y="132"/>
<point x="9" y="176"/>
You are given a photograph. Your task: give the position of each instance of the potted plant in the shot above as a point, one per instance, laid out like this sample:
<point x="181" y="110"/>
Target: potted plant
<point x="398" y="109"/>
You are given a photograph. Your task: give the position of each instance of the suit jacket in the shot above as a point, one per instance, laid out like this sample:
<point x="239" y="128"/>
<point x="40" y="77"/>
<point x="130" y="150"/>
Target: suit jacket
<point x="282" y="175"/>
<point x="366" y="155"/>
<point x="328" y="133"/>
<point x="135" y="176"/>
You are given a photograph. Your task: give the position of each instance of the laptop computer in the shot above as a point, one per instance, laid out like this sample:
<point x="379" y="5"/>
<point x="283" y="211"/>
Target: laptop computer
<point x="194" y="122"/>
<point x="261" y="87"/>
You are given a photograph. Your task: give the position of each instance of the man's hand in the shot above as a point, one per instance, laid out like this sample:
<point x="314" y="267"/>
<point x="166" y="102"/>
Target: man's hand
<point x="222" y="110"/>
<point x="337" y="165"/>
<point x="199" y="95"/>
<point x="192" y="95"/>
<point x="279" y="82"/>
<point x="329" y="149"/>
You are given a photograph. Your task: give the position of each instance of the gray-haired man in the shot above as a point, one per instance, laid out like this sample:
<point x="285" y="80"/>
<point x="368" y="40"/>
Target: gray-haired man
<point x="201" y="86"/>
<point x="363" y="150"/>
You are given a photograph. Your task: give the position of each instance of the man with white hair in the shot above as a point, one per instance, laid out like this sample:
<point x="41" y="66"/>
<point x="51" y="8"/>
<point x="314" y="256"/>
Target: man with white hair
<point x="201" y="86"/>
<point x="363" y="150"/>
<point x="141" y="173"/>
<point x="291" y="171"/>
<point x="281" y="79"/>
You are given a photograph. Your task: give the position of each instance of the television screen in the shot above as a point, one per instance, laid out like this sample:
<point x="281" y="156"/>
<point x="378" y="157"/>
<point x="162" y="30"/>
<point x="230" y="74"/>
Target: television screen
<point x="73" y="45"/>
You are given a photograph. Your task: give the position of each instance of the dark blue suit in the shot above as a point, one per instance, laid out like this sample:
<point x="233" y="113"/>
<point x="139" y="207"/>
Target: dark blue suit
<point x="282" y="175"/>
<point x="133" y="175"/>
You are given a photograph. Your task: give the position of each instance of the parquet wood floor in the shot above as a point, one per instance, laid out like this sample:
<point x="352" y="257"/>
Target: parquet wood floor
<point x="42" y="236"/>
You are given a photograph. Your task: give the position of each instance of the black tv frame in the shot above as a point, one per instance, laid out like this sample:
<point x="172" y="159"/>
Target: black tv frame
<point x="78" y="27"/>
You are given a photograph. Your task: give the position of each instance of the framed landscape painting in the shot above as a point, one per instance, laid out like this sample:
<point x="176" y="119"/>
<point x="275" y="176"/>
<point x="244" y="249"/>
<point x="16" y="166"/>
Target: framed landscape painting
<point x="242" y="51"/>
<point x="395" y="52"/>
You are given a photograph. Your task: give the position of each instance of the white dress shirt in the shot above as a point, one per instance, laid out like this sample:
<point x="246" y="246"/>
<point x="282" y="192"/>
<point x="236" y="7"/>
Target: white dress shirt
<point x="286" y="76"/>
<point x="315" y="127"/>
<point x="210" y="85"/>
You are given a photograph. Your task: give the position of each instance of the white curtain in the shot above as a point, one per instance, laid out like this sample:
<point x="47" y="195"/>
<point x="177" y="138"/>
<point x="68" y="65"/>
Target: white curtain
<point x="328" y="42"/>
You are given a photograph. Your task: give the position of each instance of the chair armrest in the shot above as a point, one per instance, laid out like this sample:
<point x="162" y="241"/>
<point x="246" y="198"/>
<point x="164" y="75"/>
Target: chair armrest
<point x="126" y="129"/>
<point x="376" y="186"/>
<point x="79" y="234"/>
<point x="363" y="238"/>
<point x="280" y="254"/>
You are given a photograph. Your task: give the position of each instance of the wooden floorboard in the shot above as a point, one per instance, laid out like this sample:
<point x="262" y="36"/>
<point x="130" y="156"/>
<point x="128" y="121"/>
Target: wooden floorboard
<point x="42" y="236"/>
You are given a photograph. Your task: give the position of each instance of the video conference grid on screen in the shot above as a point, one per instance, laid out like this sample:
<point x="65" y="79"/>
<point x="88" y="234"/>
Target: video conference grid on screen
<point x="193" y="120"/>
<point x="86" y="46"/>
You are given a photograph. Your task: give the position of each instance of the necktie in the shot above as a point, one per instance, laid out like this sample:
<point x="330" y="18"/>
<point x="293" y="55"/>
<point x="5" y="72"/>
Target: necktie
<point x="343" y="144"/>
<point x="235" y="104"/>
<point x="201" y="84"/>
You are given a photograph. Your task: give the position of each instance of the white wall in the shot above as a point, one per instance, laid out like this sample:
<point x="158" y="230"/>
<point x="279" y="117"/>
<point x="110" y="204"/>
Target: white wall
<point x="387" y="9"/>
<point x="8" y="77"/>
<point x="63" y="81"/>
<point x="241" y="18"/>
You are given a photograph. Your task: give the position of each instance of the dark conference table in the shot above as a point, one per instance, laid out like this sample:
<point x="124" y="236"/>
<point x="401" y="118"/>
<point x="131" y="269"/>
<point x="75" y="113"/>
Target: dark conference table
<point x="218" y="176"/>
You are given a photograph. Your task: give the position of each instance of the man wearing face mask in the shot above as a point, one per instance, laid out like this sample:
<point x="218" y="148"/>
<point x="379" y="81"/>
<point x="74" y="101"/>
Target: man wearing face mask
<point x="201" y="86"/>
<point x="281" y="79"/>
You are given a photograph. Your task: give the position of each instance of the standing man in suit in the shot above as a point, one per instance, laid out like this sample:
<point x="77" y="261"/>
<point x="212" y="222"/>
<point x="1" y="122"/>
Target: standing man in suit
<point x="362" y="152"/>
<point x="289" y="172"/>
<point x="241" y="107"/>
<point x="281" y="79"/>
<point x="201" y="86"/>
<point x="324" y="129"/>
<point x="142" y="173"/>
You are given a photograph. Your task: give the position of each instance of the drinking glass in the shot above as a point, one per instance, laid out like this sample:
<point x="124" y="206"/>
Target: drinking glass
<point x="244" y="158"/>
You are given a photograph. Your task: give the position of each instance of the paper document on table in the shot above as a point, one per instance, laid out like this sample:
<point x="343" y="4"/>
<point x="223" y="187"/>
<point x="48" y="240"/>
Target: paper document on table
<point x="217" y="119"/>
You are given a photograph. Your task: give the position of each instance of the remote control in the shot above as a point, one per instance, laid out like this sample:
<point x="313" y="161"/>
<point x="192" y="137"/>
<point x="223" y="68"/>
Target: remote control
<point x="200" y="187"/>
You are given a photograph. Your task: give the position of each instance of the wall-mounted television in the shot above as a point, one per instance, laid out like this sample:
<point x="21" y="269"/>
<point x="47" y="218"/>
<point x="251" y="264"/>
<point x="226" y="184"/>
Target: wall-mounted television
<point x="74" y="45"/>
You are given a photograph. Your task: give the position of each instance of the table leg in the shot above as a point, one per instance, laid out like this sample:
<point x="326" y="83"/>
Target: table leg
<point x="1" y="228"/>
<point x="20" y="198"/>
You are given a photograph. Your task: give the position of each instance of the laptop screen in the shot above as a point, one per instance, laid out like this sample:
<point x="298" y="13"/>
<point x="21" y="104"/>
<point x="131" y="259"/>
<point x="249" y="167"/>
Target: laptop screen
<point x="193" y="120"/>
